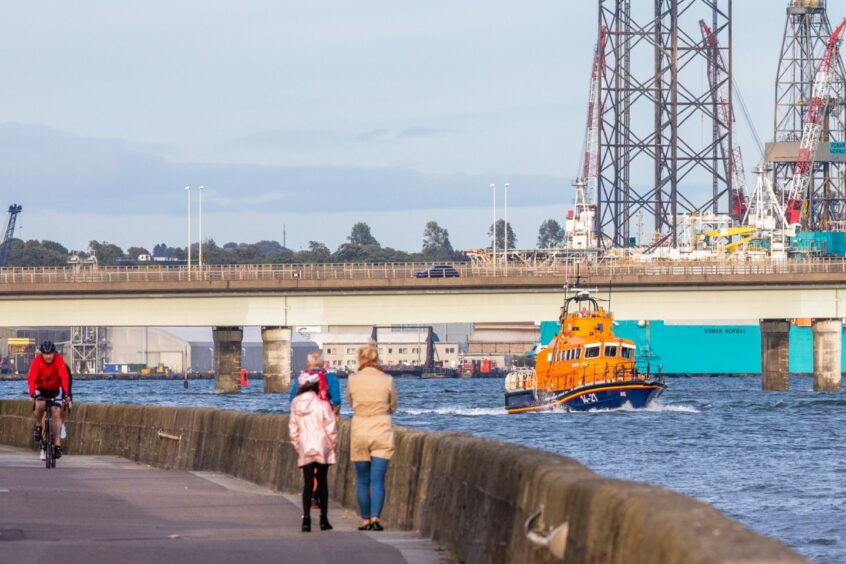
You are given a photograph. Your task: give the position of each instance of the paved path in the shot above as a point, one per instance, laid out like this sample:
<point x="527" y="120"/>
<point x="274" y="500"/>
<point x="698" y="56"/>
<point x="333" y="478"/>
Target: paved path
<point x="106" y="509"/>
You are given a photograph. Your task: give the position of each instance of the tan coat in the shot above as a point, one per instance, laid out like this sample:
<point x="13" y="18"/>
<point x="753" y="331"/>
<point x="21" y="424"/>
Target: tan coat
<point x="373" y="398"/>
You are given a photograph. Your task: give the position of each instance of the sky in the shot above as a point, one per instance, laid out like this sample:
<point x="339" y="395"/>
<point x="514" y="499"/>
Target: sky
<point x="309" y="115"/>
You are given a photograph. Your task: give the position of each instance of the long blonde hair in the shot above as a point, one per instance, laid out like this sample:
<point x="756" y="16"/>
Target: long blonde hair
<point x="368" y="355"/>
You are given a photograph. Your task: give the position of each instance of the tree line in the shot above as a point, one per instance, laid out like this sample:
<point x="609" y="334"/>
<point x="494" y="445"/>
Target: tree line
<point x="360" y="246"/>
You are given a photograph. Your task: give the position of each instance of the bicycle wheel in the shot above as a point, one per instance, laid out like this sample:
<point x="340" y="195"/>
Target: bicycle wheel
<point x="49" y="446"/>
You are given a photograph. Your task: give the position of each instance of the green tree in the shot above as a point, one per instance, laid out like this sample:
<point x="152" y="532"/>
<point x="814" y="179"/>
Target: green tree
<point x="316" y="252"/>
<point x="269" y="247"/>
<point x="35" y="253"/>
<point x="106" y="253"/>
<point x="135" y="252"/>
<point x="161" y="250"/>
<point x="500" y="235"/>
<point x="436" y="243"/>
<point x="360" y="235"/>
<point x="550" y="234"/>
<point x="54" y="246"/>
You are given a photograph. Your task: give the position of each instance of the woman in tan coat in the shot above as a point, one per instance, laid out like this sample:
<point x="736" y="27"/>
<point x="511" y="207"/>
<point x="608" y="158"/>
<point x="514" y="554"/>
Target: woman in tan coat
<point x="373" y="398"/>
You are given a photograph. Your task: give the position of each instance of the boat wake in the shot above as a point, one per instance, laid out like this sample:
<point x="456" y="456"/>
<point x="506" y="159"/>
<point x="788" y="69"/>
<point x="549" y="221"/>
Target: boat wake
<point x="453" y="410"/>
<point x="658" y="406"/>
<point x="653" y="407"/>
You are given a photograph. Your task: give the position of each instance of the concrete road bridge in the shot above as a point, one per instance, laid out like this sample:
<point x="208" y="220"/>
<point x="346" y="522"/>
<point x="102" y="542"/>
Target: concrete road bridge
<point x="279" y="297"/>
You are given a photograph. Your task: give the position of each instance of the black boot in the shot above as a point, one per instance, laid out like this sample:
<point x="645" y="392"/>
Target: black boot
<point x="324" y="523"/>
<point x="306" y="523"/>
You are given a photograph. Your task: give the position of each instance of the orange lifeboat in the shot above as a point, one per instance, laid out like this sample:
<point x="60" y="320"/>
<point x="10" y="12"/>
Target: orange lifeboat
<point x="585" y="367"/>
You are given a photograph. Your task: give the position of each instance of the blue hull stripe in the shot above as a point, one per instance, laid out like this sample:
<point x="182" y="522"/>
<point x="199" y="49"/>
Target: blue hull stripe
<point x="605" y="396"/>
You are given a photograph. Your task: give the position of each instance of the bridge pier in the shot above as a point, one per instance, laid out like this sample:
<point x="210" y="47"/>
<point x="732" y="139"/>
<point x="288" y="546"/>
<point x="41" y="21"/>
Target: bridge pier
<point x="277" y="358"/>
<point x="227" y="359"/>
<point x="775" y="349"/>
<point x="828" y="334"/>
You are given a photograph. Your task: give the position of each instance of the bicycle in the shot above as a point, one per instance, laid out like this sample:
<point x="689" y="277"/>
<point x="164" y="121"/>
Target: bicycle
<point x="48" y="435"/>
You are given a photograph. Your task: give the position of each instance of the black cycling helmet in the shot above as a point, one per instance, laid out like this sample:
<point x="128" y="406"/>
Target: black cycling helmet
<point x="47" y="347"/>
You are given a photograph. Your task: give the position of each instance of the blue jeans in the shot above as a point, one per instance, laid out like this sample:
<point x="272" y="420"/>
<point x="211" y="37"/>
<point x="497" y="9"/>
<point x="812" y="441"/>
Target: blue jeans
<point x="370" y="486"/>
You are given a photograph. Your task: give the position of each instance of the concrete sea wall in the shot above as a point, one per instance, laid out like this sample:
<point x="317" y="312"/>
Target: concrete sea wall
<point x="472" y="495"/>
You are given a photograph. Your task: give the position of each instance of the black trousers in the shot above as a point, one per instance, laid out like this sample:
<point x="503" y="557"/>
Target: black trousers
<point x="313" y="471"/>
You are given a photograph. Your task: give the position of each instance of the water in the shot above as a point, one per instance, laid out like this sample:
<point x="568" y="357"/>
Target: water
<point x="770" y="460"/>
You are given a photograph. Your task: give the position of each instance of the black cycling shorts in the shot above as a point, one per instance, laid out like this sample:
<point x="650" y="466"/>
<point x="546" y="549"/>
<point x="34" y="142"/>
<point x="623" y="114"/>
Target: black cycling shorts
<point x="55" y="395"/>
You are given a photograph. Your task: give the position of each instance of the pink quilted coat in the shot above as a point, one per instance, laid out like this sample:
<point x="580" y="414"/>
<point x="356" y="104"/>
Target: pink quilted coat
<point x="312" y="429"/>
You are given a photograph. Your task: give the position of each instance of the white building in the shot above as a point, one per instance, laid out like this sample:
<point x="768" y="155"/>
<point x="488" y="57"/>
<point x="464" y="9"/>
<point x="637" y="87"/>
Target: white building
<point x="397" y="347"/>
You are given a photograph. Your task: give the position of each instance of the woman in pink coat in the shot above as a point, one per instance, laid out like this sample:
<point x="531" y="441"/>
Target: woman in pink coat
<point x="313" y="433"/>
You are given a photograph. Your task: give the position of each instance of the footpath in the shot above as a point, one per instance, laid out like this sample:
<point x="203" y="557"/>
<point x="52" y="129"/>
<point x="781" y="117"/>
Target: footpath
<point x="94" y="509"/>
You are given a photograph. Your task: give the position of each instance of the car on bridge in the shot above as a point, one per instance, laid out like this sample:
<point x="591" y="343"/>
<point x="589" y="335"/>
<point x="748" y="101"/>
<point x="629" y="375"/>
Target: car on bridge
<point x="437" y="271"/>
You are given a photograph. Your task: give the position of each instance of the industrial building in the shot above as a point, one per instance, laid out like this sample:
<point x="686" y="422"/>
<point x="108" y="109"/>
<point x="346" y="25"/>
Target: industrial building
<point x="175" y="348"/>
<point x="397" y="347"/>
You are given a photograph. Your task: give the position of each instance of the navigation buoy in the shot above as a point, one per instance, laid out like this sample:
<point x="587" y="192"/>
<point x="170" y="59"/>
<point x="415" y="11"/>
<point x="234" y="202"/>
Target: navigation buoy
<point x="244" y="382"/>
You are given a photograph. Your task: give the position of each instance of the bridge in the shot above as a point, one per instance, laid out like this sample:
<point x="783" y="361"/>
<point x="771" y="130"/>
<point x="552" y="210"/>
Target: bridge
<point x="278" y="297"/>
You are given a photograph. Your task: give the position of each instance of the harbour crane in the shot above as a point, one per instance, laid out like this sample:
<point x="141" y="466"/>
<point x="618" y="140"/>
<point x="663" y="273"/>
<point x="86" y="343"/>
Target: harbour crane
<point x="720" y="83"/>
<point x="581" y="228"/>
<point x="590" y="160"/>
<point x="6" y="245"/>
<point x="812" y="129"/>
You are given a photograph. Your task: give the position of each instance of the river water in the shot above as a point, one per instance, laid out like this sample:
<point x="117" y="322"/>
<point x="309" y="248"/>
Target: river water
<point x="773" y="461"/>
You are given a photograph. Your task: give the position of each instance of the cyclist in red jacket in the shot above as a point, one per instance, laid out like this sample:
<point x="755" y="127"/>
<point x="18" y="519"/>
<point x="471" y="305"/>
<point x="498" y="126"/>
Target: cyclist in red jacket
<point x="48" y="379"/>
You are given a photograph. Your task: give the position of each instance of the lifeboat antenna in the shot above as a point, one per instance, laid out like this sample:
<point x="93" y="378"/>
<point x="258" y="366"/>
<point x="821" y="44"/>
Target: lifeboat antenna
<point x="610" y="285"/>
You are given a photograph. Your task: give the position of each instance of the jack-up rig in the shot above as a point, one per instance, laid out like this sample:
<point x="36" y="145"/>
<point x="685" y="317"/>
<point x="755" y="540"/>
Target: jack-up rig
<point x="646" y="157"/>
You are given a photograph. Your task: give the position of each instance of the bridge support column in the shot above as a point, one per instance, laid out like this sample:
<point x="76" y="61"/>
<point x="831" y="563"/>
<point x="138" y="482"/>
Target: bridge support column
<point x="277" y="358"/>
<point x="775" y="349"/>
<point x="227" y="359"/>
<point x="828" y="335"/>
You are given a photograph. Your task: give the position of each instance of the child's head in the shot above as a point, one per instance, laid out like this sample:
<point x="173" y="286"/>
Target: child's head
<point x="308" y="383"/>
<point x="310" y="387"/>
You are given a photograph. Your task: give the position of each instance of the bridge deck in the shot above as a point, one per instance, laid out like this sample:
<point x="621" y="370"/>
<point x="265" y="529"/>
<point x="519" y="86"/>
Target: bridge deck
<point x="104" y="509"/>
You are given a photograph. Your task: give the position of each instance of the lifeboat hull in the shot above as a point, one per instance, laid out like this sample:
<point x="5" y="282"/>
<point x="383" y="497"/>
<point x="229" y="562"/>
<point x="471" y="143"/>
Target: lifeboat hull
<point x="636" y="395"/>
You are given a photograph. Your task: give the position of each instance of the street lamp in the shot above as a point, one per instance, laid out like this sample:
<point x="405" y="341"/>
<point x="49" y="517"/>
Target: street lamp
<point x="188" y="190"/>
<point x="200" y="263"/>
<point x="493" y="237"/>
<point x="505" y="251"/>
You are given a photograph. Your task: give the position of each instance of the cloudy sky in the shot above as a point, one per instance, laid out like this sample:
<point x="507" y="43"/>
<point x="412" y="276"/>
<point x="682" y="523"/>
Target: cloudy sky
<point x="312" y="115"/>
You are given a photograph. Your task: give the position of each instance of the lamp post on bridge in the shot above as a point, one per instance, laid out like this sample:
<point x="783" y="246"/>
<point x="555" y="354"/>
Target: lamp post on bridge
<point x="493" y="237"/>
<point x="188" y="190"/>
<point x="200" y="238"/>
<point x="505" y="250"/>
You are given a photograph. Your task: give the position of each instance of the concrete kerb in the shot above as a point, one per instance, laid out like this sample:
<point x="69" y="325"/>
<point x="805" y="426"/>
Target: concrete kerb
<point x="472" y="495"/>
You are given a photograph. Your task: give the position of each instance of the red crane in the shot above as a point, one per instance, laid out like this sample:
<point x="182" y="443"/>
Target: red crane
<point x="590" y="164"/>
<point x="812" y="130"/>
<point x="720" y="84"/>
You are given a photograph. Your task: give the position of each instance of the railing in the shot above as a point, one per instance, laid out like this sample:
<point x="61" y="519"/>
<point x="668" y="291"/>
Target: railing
<point x="563" y="270"/>
<point x="526" y="379"/>
<point x="265" y="272"/>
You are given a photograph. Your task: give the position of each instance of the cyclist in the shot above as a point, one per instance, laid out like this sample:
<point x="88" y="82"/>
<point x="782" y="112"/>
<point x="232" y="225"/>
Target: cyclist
<point x="48" y="379"/>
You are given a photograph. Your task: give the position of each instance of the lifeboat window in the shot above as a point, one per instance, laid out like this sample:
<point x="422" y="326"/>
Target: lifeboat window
<point x="627" y="352"/>
<point x="578" y="353"/>
<point x="592" y="352"/>
<point x="610" y="350"/>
